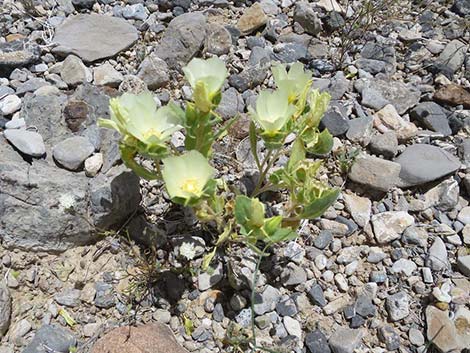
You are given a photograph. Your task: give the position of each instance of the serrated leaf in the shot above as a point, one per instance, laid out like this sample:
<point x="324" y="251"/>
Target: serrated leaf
<point x="324" y="143"/>
<point x="297" y="154"/>
<point x="320" y="205"/>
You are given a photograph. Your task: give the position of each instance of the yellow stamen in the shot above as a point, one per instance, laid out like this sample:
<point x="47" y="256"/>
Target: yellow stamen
<point x="151" y="132"/>
<point x="190" y="186"/>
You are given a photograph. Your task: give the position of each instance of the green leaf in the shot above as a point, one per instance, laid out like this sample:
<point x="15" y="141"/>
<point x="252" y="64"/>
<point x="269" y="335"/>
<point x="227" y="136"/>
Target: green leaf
<point x="188" y="325"/>
<point x="297" y="154"/>
<point x="249" y="213"/>
<point x="324" y="143"/>
<point x="320" y="205"/>
<point x="272" y="224"/>
<point x="127" y="156"/>
<point x="254" y="144"/>
<point x="207" y="259"/>
<point x="283" y="234"/>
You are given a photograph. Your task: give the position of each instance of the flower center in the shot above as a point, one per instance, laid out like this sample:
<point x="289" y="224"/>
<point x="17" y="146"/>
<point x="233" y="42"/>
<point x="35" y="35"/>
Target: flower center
<point x="151" y="132"/>
<point x="190" y="186"/>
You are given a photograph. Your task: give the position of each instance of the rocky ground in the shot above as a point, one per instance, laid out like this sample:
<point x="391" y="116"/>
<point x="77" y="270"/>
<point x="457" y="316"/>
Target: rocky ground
<point x="86" y="247"/>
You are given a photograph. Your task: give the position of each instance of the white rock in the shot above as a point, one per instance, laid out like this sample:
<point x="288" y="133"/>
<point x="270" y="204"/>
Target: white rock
<point x="358" y="207"/>
<point x="464" y="215"/>
<point x="341" y="282"/>
<point x="10" y="104"/>
<point x="405" y="266"/>
<point x="389" y="226"/>
<point x="74" y="71"/>
<point x="107" y="75"/>
<point x="93" y="164"/>
<point x="292" y="326"/>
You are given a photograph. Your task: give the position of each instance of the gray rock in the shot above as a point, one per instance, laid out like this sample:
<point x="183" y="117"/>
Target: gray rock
<point x="290" y="52"/>
<point x="385" y="144"/>
<point x="60" y="206"/>
<point x="360" y="130"/>
<point x="231" y="104"/>
<point x="403" y="266"/>
<point x="453" y="55"/>
<point x="218" y="40"/>
<point x="432" y="116"/>
<point x="323" y="239"/>
<point x="250" y="77"/>
<point x="17" y="54"/>
<point x="336" y="86"/>
<point x="74" y="72"/>
<point x="267" y="300"/>
<point x="292" y="326"/>
<point x="69" y="297"/>
<point x="402" y="96"/>
<point x="416" y="236"/>
<point x="317" y="342"/>
<point x="377" y="58"/>
<point x="207" y="280"/>
<point x="5" y="308"/>
<point x="422" y="163"/>
<point x="244" y="318"/>
<point x="374" y="172"/>
<point x="335" y="122"/>
<point x="397" y="306"/>
<point x="437" y="256"/>
<point x="104" y="297"/>
<point x="72" y="152"/>
<point x="293" y="275"/>
<point x="154" y="72"/>
<point x="364" y="306"/>
<point x="182" y="39"/>
<point x="31" y="85"/>
<point x="107" y="75"/>
<point x="390" y="337"/>
<point x="316" y="295"/>
<point x="345" y="340"/>
<point x="463" y="263"/>
<point x="80" y="34"/>
<point x="305" y="15"/>
<point x="416" y="337"/>
<point x="135" y="12"/>
<point x="51" y="338"/>
<point x="15" y="124"/>
<point x="27" y="142"/>
<point x="461" y="7"/>
<point x="286" y="307"/>
<point x="372" y="98"/>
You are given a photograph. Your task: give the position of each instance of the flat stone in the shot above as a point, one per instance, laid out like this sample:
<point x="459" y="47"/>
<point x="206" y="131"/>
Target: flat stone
<point x="207" y="280"/>
<point x="292" y="326"/>
<point x="17" y="53"/>
<point x="374" y="172"/>
<point x="446" y="334"/>
<point x="389" y="226"/>
<point x="182" y="39"/>
<point x="80" y="34"/>
<point x="231" y="104"/>
<point x="416" y="337"/>
<point x="402" y="96"/>
<point x="316" y="295"/>
<point x="437" y="256"/>
<point x="335" y="122"/>
<point x="27" y="142"/>
<point x="397" y="306"/>
<point x="385" y="144"/>
<point x="463" y="263"/>
<point x="305" y="15"/>
<point x="432" y="116"/>
<point x="346" y="340"/>
<point x="5" y="308"/>
<point x="53" y="337"/>
<point x="317" y="342"/>
<point x="219" y="39"/>
<point x="360" y="130"/>
<point x="390" y="337"/>
<point x="453" y="55"/>
<point x="422" y="163"/>
<point x="69" y="297"/>
<point x="153" y="337"/>
<point x="72" y="152"/>
<point x="267" y="300"/>
<point x="453" y="95"/>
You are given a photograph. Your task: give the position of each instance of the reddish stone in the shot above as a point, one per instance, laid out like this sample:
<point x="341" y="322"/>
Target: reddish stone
<point x="453" y="95"/>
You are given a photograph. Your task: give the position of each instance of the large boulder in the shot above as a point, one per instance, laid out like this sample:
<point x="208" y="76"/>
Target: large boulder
<point x="94" y="37"/>
<point x="46" y="208"/>
<point x="183" y="39"/>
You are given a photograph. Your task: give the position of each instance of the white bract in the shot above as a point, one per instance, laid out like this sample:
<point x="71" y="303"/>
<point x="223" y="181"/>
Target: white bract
<point x="272" y="110"/>
<point x="186" y="176"/>
<point x="138" y="116"/>
<point x="206" y="77"/>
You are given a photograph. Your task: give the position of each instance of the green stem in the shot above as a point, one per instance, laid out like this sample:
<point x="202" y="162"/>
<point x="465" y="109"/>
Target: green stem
<point x="265" y="171"/>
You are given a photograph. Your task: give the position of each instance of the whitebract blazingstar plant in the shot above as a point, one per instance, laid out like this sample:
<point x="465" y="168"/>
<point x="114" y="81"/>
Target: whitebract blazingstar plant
<point x="138" y="116"/>
<point x="206" y="77"/>
<point x="187" y="177"/>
